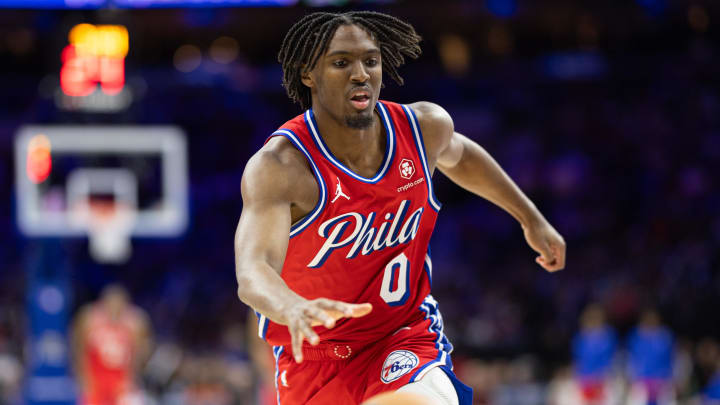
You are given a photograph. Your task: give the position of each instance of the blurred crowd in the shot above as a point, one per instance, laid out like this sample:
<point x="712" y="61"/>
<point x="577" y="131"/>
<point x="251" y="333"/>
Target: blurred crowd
<point x="617" y="141"/>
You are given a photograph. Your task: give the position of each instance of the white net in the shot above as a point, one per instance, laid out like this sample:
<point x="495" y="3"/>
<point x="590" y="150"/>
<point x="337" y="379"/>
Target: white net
<point x="109" y="225"/>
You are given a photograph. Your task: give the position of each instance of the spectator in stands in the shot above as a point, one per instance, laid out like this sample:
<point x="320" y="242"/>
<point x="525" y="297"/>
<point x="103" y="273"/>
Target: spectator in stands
<point x="594" y="349"/>
<point x="650" y="355"/>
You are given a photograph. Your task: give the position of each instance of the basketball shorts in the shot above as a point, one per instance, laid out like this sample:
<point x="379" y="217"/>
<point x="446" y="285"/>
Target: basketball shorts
<point x="338" y="374"/>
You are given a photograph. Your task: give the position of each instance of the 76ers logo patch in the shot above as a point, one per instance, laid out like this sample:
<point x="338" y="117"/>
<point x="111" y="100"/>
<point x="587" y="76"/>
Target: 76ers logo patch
<point x="397" y="364"/>
<point x="407" y="168"/>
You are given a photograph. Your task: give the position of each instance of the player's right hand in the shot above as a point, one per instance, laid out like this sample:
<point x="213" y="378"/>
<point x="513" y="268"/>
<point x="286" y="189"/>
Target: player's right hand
<point x="321" y="311"/>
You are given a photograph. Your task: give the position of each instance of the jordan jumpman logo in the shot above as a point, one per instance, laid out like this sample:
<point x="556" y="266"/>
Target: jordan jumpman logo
<point x="339" y="192"/>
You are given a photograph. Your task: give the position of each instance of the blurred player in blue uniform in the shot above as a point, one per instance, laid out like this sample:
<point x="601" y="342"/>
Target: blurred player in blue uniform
<point x="594" y="349"/>
<point x="650" y="355"/>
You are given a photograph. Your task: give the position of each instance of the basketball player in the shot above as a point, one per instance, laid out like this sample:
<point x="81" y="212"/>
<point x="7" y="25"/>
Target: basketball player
<point x="111" y="339"/>
<point x="332" y="244"/>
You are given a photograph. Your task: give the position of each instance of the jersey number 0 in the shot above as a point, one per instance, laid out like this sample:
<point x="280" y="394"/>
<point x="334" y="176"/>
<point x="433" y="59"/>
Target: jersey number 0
<point x="397" y="269"/>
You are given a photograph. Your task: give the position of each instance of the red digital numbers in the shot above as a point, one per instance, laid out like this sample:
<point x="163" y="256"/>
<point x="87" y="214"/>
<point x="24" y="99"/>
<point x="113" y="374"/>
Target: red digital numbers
<point x="95" y="55"/>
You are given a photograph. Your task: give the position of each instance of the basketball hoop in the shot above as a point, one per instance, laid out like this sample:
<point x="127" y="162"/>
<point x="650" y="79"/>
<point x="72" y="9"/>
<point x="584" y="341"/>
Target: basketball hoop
<point x="109" y="183"/>
<point x="109" y="225"/>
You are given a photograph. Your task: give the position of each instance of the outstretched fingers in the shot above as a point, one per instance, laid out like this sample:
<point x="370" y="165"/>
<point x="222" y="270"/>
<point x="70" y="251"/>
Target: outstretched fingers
<point x="321" y="311"/>
<point x="300" y="330"/>
<point x="339" y="309"/>
<point x="321" y="317"/>
<point x="296" y="339"/>
<point x="359" y="310"/>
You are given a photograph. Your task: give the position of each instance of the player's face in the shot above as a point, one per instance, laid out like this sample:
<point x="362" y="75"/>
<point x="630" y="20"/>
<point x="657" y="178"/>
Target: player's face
<point x="347" y="78"/>
<point x="115" y="301"/>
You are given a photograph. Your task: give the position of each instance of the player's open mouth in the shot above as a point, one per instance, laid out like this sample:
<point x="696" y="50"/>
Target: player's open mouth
<point x="360" y="101"/>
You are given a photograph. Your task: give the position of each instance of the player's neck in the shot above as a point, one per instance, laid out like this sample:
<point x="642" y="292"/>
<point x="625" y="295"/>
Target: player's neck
<point x="351" y="145"/>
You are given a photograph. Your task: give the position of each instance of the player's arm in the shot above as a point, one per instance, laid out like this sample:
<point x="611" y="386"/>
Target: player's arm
<point x="143" y="340"/>
<point x="273" y="180"/>
<point x="78" y="336"/>
<point x="470" y="166"/>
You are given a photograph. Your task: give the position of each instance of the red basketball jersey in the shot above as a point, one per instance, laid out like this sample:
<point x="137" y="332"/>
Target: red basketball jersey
<point x="109" y="353"/>
<point x="367" y="238"/>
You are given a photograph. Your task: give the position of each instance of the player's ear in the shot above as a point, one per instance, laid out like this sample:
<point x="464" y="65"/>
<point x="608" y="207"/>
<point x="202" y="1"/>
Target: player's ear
<point x="307" y="79"/>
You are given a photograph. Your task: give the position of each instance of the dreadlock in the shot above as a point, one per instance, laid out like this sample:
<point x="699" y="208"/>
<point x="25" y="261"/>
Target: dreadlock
<point x="308" y="39"/>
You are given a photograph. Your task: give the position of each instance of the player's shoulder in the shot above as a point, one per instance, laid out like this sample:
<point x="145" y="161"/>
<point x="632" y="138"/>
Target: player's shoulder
<point x="275" y="168"/>
<point x="137" y="317"/>
<point x="430" y="112"/>
<point x="435" y="123"/>
<point x="278" y="153"/>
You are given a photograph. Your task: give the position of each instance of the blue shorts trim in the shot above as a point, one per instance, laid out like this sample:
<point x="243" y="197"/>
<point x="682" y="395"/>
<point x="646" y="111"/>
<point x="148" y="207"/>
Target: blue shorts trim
<point x="464" y="392"/>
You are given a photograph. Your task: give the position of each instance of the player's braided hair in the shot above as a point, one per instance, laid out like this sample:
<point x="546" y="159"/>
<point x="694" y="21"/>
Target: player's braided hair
<point x="308" y="39"/>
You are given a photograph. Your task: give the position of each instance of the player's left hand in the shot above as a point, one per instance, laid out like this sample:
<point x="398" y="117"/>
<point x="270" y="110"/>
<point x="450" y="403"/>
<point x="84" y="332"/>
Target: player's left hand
<point x="545" y="240"/>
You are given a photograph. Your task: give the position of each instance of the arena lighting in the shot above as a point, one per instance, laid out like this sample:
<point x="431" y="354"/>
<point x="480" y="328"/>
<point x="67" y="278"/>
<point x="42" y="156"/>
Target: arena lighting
<point x="39" y="160"/>
<point x="187" y="58"/>
<point x="95" y="55"/>
<point x="224" y="50"/>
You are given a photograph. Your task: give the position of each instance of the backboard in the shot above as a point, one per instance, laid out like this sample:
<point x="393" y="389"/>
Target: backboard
<point x="62" y="173"/>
